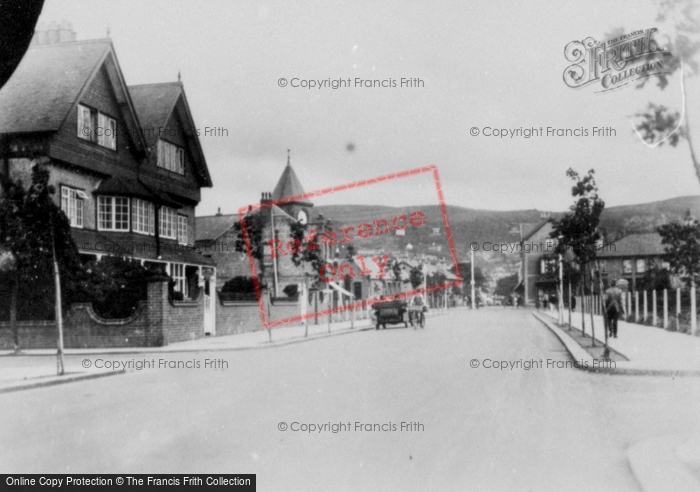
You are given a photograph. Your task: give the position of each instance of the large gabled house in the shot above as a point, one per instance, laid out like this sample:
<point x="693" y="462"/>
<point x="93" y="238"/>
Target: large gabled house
<point x="537" y="263"/>
<point x="126" y="161"/>
<point x="632" y="257"/>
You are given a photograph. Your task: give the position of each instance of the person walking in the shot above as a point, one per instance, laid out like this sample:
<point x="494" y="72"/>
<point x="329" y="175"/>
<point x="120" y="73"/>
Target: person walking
<point x="613" y="307"/>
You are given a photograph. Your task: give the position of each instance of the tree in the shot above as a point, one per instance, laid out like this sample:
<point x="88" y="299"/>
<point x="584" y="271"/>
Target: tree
<point x="415" y="276"/>
<point x="465" y="269"/>
<point x="252" y="235"/>
<point x="658" y="124"/>
<point x="38" y="236"/>
<point x="682" y="245"/>
<point x="506" y="285"/>
<point x="577" y="231"/>
<point x="310" y="251"/>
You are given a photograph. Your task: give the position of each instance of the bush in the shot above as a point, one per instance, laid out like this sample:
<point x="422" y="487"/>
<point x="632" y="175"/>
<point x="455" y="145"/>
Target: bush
<point x="239" y="285"/>
<point x="239" y="289"/>
<point x="292" y="291"/>
<point x="113" y="285"/>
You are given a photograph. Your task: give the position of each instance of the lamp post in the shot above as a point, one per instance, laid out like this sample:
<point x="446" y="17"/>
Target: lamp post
<point x="561" y="290"/>
<point x="472" y="282"/>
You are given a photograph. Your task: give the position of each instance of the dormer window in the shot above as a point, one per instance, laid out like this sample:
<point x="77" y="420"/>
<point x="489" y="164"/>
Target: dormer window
<point x="171" y="157"/>
<point x="97" y="127"/>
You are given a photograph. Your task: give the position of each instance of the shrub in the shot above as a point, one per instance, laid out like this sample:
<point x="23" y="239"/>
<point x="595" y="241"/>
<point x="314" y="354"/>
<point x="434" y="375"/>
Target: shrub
<point x="113" y="285"/>
<point x="292" y="291"/>
<point x="239" y="289"/>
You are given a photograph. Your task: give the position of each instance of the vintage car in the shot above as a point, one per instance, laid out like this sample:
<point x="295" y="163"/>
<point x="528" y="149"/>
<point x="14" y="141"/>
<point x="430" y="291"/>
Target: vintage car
<point x="397" y="312"/>
<point x="390" y="313"/>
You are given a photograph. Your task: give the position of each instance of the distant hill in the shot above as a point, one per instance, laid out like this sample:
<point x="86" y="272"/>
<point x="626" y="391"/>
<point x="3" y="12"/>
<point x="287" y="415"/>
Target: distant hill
<point x="474" y="225"/>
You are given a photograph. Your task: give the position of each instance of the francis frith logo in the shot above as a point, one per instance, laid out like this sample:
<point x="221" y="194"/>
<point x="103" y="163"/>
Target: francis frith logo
<point x="616" y="62"/>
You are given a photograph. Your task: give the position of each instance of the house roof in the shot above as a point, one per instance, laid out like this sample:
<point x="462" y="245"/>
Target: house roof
<point x="212" y="227"/>
<point x="529" y="230"/>
<point x="289" y="186"/>
<point x="155" y="103"/>
<point x="642" y="244"/>
<point x="51" y="79"/>
<point x="47" y="83"/>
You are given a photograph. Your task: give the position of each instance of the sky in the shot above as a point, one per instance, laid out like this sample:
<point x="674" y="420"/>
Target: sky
<point x="481" y="65"/>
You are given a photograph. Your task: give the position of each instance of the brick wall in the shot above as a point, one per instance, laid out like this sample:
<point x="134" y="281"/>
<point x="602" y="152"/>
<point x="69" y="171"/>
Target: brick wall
<point x="240" y="317"/>
<point x="158" y="321"/>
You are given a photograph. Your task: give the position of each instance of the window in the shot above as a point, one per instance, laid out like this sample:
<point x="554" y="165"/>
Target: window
<point x="548" y="265"/>
<point x="107" y="132"/>
<point x="112" y="213"/>
<point x="72" y="205"/>
<point x="167" y="218"/>
<point x="177" y="272"/>
<point x="171" y="157"/>
<point x="666" y="265"/>
<point x="641" y="266"/>
<point x="603" y="266"/>
<point x="143" y="216"/>
<point x="182" y="229"/>
<point x="97" y="127"/>
<point x="626" y="266"/>
<point x="86" y="123"/>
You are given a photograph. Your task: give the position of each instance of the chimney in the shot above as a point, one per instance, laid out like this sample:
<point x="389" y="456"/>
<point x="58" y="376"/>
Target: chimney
<point x="266" y="197"/>
<point x="53" y="33"/>
<point x="218" y="213"/>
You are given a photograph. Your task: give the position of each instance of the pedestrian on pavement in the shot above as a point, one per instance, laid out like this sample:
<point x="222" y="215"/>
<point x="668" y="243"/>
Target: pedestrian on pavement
<point x="613" y="307"/>
<point x="553" y="302"/>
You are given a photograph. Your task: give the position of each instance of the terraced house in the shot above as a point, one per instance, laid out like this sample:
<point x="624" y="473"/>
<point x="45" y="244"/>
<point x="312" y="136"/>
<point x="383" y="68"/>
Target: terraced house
<point x="125" y="160"/>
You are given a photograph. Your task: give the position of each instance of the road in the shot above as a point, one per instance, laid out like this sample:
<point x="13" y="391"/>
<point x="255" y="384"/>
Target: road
<point x="480" y="428"/>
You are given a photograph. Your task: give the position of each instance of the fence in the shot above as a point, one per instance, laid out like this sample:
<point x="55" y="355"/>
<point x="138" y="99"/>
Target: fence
<point x="670" y="309"/>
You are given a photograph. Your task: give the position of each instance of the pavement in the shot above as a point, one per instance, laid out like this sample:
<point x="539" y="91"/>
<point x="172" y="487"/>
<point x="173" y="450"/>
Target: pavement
<point x="664" y="463"/>
<point x="650" y="350"/>
<point x="38" y="367"/>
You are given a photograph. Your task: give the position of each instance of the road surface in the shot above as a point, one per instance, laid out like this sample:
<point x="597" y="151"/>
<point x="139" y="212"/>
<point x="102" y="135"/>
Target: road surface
<point x="465" y="428"/>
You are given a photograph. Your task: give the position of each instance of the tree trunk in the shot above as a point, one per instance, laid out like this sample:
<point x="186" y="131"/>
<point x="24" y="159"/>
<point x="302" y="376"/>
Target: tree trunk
<point x="569" y="305"/>
<point x="58" y="309"/>
<point x="693" y="156"/>
<point x="606" y="351"/>
<point x="592" y="309"/>
<point x="583" y="305"/>
<point x="13" y="312"/>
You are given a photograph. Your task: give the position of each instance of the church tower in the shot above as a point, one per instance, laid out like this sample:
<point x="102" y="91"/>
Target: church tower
<point x="290" y="186"/>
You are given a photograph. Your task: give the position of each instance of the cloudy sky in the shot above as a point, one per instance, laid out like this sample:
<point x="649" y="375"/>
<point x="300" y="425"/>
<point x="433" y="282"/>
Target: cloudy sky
<point x="482" y="64"/>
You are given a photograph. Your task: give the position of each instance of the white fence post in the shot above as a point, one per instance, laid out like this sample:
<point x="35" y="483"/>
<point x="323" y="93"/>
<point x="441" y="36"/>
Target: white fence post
<point x="636" y="306"/>
<point x="693" y="310"/>
<point x="678" y="308"/>
<point x="654" y="318"/>
<point x="665" y="308"/>
<point x="646" y="309"/>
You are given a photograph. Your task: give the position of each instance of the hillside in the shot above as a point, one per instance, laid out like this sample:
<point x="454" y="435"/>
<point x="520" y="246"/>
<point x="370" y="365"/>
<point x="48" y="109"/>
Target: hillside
<point x="474" y="225"/>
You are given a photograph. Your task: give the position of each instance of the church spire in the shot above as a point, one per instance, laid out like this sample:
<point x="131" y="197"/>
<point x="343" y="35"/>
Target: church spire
<point x="288" y="157"/>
